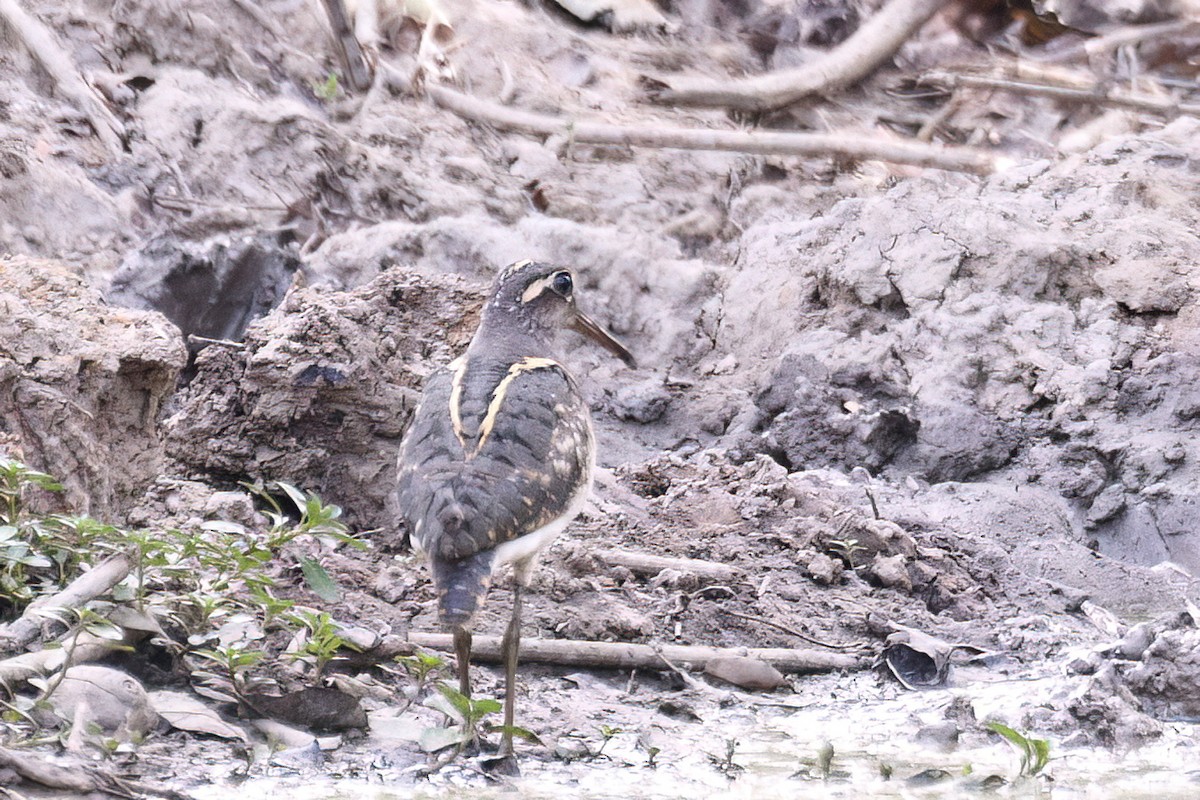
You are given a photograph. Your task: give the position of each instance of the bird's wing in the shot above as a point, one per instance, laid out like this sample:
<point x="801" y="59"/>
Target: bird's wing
<point x="529" y="461"/>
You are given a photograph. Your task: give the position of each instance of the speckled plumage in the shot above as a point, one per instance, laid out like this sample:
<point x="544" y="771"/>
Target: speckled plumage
<point x="500" y="447"/>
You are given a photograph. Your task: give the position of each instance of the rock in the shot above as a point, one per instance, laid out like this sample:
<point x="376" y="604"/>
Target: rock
<point x="321" y="393"/>
<point x="1108" y="504"/>
<point x="824" y="570"/>
<point x="745" y="672"/>
<point x="1135" y="642"/>
<point x="943" y="734"/>
<point x="108" y="699"/>
<point x="890" y="571"/>
<point x="82" y="385"/>
<point x="643" y="402"/>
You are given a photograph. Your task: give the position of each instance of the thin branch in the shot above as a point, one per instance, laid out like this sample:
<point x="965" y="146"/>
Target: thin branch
<point x="956" y="159"/>
<point x="791" y="631"/>
<point x="624" y="655"/>
<point x="876" y="41"/>
<point x="1095" y="95"/>
<point x="88" y="586"/>
<point x="646" y="564"/>
<point x="42" y="44"/>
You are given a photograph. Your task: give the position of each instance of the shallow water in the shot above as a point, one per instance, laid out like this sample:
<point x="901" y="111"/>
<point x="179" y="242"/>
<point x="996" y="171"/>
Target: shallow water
<point x="870" y="725"/>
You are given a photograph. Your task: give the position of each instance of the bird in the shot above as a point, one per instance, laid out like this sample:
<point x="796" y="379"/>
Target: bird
<point x="499" y="454"/>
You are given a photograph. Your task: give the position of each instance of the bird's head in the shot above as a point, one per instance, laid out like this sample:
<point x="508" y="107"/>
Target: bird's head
<point x="539" y="299"/>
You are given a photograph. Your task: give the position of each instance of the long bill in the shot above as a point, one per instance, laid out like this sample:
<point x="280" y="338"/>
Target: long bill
<point x="584" y="324"/>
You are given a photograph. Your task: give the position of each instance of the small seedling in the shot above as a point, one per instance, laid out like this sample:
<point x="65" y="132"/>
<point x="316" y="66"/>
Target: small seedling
<point x="421" y="667"/>
<point x="651" y="756"/>
<point x="323" y="639"/>
<point x="825" y="760"/>
<point x="846" y="550"/>
<point x="1034" y="753"/>
<point x="725" y="764"/>
<point x="607" y="733"/>
<point x="466" y="715"/>
<point x="327" y="90"/>
<point x="233" y="679"/>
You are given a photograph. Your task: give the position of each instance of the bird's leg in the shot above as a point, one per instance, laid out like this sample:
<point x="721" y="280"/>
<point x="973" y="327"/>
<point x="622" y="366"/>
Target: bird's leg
<point x="510" y="647"/>
<point x="462" y="651"/>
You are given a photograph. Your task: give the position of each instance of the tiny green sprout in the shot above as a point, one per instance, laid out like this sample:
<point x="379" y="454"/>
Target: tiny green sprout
<point x="421" y="665"/>
<point x="825" y="759"/>
<point x="467" y="717"/>
<point x="323" y="639"/>
<point x="607" y="732"/>
<point x="651" y="756"/>
<point x="725" y="764"/>
<point x="846" y="550"/>
<point x="1034" y="753"/>
<point x="234" y="663"/>
<point x="327" y="90"/>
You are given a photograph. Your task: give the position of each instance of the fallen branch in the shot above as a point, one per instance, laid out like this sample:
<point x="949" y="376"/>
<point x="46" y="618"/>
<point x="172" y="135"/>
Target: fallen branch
<point x="87" y="647"/>
<point x="1095" y="95"/>
<point x="41" y="43"/>
<point x="646" y="564"/>
<point x="622" y="655"/>
<point x="78" y="778"/>
<point x="88" y="586"/>
<point x="956" y="159"/>
<point x="872" y="44"/>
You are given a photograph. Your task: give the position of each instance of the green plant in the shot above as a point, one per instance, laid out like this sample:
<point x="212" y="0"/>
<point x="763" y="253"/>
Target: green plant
<point x="846" y="550"/>
<point x="724" y="764"/>
<point x="85" y="621"/>
<point x="323" y="640"/>
<point x="1034" y="753"/>
<point x="233" y="679"/>
<point x="328" y="89"/>
<point x="466" y="715"/>
<point x="421" y="667"/>
<point x="15" y="480"/>
<point x="608" y="733"/>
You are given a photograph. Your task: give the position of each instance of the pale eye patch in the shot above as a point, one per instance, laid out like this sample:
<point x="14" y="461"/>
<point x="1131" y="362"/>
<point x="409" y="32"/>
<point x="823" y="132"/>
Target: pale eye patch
<point x="535" y="289"/>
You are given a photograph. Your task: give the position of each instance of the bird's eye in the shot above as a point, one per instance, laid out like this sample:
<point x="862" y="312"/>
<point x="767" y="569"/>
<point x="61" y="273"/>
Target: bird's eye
<point x="563" y="283"/>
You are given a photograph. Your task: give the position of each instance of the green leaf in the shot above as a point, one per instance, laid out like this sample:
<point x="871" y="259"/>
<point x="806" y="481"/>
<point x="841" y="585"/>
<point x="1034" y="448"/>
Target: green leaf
<point x="295" y="495"/>
<point x="527" y="735"/>
<point x="484" y="706"/>
<point x="444" y="706"/>
<point x="460" y="702"/>
<point x="222" y="526"/>
<point x="319" y="581"/>
<point x="435" y="739"/>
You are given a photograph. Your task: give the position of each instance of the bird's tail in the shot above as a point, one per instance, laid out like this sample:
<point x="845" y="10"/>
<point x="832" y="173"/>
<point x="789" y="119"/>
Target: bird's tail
<point x="461" y="586"/>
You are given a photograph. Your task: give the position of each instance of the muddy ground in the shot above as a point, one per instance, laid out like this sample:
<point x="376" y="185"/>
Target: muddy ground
<point x="890" y="396"/>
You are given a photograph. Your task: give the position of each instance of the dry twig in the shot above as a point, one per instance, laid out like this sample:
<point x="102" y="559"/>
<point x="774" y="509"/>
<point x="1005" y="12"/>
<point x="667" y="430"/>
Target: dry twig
<point x="79" y="779"/>
<point x="791" y="631"/>
<point x="88" y="586"/>
<point x="623" y="655"/>
<point x="854" y="59"/>
<point x="41" y="43"/>
<point x="957" y="159"/>
<point x="646" y="564"/>
<point x="1096" y="94"/>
